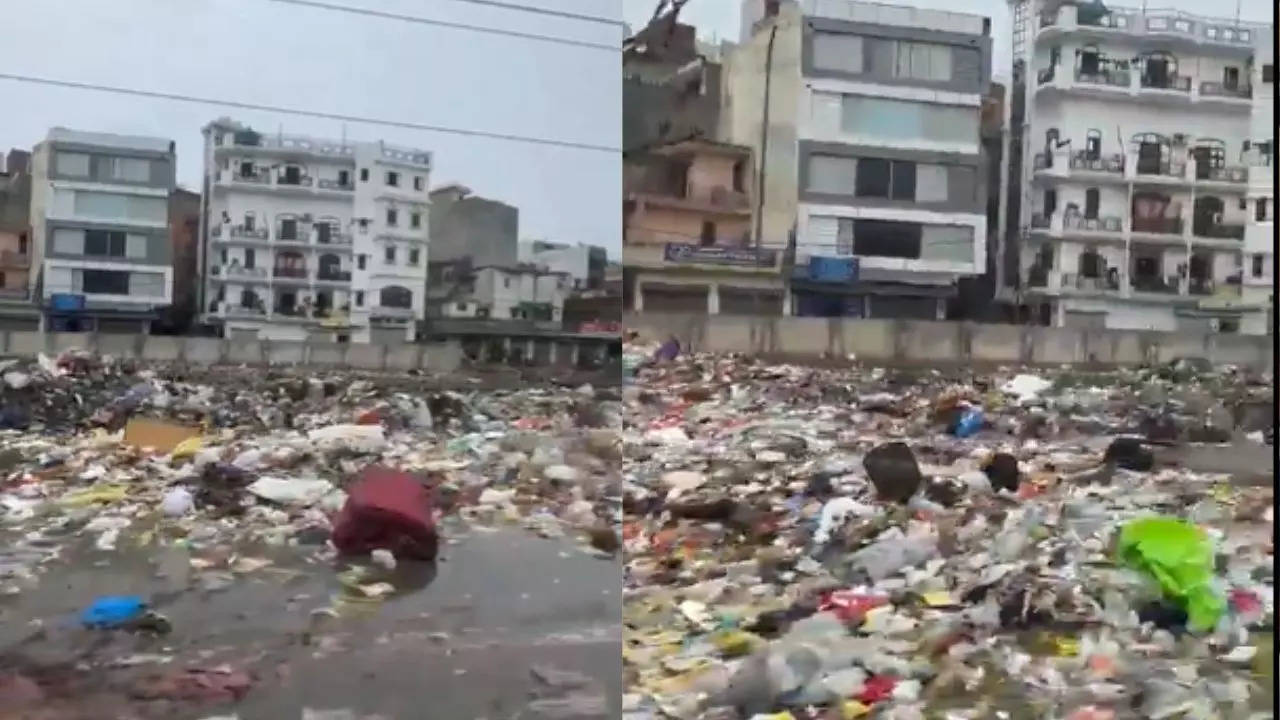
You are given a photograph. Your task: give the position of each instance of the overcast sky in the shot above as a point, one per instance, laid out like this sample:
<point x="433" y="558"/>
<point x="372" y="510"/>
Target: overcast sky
<point x="300" y="57"/>
<point x="718" y="19"/>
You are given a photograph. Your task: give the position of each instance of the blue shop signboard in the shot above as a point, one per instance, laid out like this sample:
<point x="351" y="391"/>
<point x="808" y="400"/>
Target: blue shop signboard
<point x="833" y="269"/>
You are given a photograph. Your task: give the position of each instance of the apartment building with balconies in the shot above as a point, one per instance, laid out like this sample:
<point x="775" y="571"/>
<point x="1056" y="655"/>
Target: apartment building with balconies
<point x="872" y="160"/>
<point x="100" y="230"/>
<point x="1258" y="281"/>
<point x="1136" y="179"/>
<point x="313" y="238"/>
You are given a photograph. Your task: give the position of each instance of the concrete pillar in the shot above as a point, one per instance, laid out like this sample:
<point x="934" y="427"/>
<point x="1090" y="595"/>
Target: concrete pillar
<point x="574" y="350"/>
<point x="941" y="309"/>
<point x="551" y="357"/>
<point x="713" y="299"/>
<point x="786" y="301"/>
<point x="528" y="350"/>
<point x="637" y="302"/>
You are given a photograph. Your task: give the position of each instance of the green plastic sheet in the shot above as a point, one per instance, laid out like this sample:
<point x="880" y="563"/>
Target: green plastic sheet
<point x="1179" y="556"/>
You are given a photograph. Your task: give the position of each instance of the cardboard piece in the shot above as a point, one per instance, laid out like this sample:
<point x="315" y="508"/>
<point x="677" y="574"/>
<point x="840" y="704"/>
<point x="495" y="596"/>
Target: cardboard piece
<point x="157" y="435"/>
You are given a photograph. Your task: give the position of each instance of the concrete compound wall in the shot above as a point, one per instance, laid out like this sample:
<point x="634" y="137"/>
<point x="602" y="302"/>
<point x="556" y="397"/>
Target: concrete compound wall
<point x="923" y="342"/>
<point x="443" y="356"/>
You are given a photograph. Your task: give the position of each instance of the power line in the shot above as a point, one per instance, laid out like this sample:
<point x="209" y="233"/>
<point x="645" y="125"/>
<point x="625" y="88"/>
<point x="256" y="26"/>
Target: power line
<point x="305" y="113"/>
<point x="318" y="4"/>
<point x="544" y="11"/>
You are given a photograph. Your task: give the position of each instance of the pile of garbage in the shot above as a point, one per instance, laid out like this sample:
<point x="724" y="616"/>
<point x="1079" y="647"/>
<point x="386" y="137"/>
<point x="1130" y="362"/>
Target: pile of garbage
<point x="839" y="543"/>
<point x="213" y="473"/>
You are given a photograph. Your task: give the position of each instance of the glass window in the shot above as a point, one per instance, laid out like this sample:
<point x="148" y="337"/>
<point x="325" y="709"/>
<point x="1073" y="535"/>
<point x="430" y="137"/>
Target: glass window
<point x="105" y="282"/>
<point x="69" y="242"/>
<point x="952" y="243"/>
<point x="390" y="255"/>
<point x="904" y="181"/>
<point x="396" y="297"/>
<point x="886" y="238"/>
<point x="392" y="217"/>
<point x="359" y="298"/>
<point x="837" y="51"/>
<point x="146" y="284"/>
<point x="844" y="236"/>
<point x="136" y="246"/>
<point x="104" y="243"/>
<point x="931" y="183"/>
<point x="415" y="220"/>
<point x="96" y="204"/>
<point x="886" y="119"/>
<point x="414" y="256"/>
<point x="131" y="169"/>
<point x="873" y="178"/>
<point x="393" y="179"/>
<point x="72" y="164"/>
<point x="831" y="174"/>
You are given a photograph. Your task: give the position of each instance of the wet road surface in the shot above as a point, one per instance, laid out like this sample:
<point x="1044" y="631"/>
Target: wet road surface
<point x="456" y="640"/>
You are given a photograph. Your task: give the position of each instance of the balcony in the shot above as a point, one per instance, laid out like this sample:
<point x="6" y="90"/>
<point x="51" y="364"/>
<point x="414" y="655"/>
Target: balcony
<point x="717" y="199"/>
<point x="1173" y="170"/>
<point x="240" y="231"/>
<point x="1157" y="25"/>
<point x="287" y="143"/>
<point x="334" y="275"/>
<point x="1219" y="231"/>
<point x="334" y="239"/>
<point x="729" y="258"/>
<point x="1218" y="90"/>
<point x="326" y="184"/>
<point x="1154" y="284"/>
<point x="1111" y="77"/>
<point x="1176" y="83"/>
<point x="14" y="259"/>
<point x="258" y="178"/>
<point x="1158" y="226"/>
<point x="299" y="181"/>
<point x="1083" y="284"/>
<point x="293" y="273"/>
<point x="1236" y="175"/>
<point x="241" y="311"/>
<point x="390" y="312"/>
<point x="1113" y="163"/>
<point x="1100" y="224"/>
<point x="238" y="272"/>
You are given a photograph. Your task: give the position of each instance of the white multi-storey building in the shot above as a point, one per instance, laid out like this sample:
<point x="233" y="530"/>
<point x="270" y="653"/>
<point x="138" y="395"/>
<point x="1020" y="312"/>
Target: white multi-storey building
<point x="1136" y="180"/>
<point x="1259" y="232"/>
<point x="308" y="237"/>
<point x="872" y="157"/>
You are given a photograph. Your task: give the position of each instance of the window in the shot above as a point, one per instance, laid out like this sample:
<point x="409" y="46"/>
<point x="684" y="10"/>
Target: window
<point x="886" y="179"/>
<point x="248" y="299"/>
<point x="392" y="217"/>
<point x="904" y="181"/>
<point x="364" y="174"/>
<point x="393" y="179"/>
<point x="841" y="52"/>
<point x="288" y="229"/>
<point x="72" y="164"/>
<point x="460" y="307"/>
<point x="415" y="220"/>
<point x="135" y="246"/>
<point x="222" y="256"/>
<point x="831" y="174"/>
<point x="22" y="244"/>
<point x="104" y="243"/>
<point x="68" y="242"/>
<point x="131" y="169"/>
<point x="359" y="298"/>
<point x="1268" y="73"/>
<point x="708" y="234"/>
<point x="247" y="169"/>
<point x="950" y="243"/>
<point x="344" y="178"/>
<point x="417" y="182"/>
<point x="249" y="221"/>
<point x="1230" y="78"/>
<point x="1090" y="60"/>
<point x="324" y="233"/>
<point x="1244" y="203"/>
<point x="389" y="254"/>
<point x="740" y="176"/>
<point x="146" y="284"/>
<point x="932" y="182"/>
<point x="506" y="282"/>
<point x="361" y="259"/>
<point x="886" y="238"/>
<point x="414" y="255"/>
<point x="1255" y="264"/>
<point x="1050" y="202"/>
<point x="250" y="258"/>
<point x="1091" y="200"/>
<point x="115" y="206"/>
<point x="105" y="282"/>
<point x="394" y="296"/>
<point x="292" y="175"/>
<point x="885" y="119"/>
<point x="922" y="61"/>
<point x="364" y="224"/>
<point x="1260" y="211"/>
<point x="1093" y="145"/>
<point x="515" y="313"/>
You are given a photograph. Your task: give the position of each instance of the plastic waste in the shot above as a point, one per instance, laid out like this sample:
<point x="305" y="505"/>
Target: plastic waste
<point x="177" y="502"/>
<point x="1179" y="556"/>
<point x="887" y="557"/>
<point x="290" y="491"/>
<point x="969" y="423"/>
<point x="113" y="611"/>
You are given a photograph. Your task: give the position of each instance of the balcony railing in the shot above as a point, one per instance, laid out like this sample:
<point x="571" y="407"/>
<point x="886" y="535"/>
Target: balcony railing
<point x="14" y="259"/>
<point x="1158" y="226"/>
<point x="290" y="272"/>
<point x="1111" y="77"/>
<point x="1217" y="89"/>
<point x="1219" y="231"/>
<point x="241" y="231"/>
<point x="1164" y="168"/>
<point x="1228" y="174"/>
<point x="253" y="178"/>
<point x="242" y="311"/>
<point x="334" y="275"/>
<point x="1099" y="283"/>
<point x="326" y="184"/>
<point x="238" y="271"/>
<point x="334" y="239"/>
<point x="1180" y="83"/>
<point x="300" y="181"/>
<point x="1106" y="223"/>
<point x="1082" y="160"/>
<point x="1154" y="284"/>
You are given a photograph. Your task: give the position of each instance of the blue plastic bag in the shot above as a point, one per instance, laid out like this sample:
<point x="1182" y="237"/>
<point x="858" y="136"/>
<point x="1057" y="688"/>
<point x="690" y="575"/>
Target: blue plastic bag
<point x="113" y="611"/>
<point x="969" y="423"/>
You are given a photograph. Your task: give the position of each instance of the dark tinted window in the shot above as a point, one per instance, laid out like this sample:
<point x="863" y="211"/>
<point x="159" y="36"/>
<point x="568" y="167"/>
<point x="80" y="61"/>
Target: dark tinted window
<point x="873" y="178"/>
<point x="107" y="282"/>
<point x="885" y="238"/>
<point x="904" y="181"/>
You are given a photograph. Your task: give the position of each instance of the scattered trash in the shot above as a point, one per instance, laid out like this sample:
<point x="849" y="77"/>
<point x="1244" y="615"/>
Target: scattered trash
<point x="1179" y="557"/>
<point x="158" y="436"/>
<point x="386" y="509"/>
<point x="113" y="611"/>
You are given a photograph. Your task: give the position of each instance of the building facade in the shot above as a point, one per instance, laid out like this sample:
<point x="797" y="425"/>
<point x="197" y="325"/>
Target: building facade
<point x="100" y="230"/>
<point x="688" y="239"/>
<point x="461" y="290"/>
<point x="16" y="309"/>
<point x="467" y="226"/>
<point x="584" y="264"/>
<point x="1136" y="184"/>
<point x="866" y="118"/>
<point x="313" y="238"/>
<point x="1258" y="282"/>
<point x="184" y="250"/>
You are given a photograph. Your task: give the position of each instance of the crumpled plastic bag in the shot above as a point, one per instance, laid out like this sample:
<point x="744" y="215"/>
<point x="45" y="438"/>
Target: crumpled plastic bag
<point x="1179" y="556"/>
